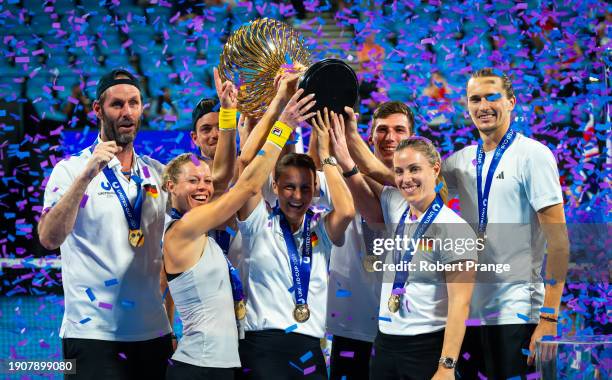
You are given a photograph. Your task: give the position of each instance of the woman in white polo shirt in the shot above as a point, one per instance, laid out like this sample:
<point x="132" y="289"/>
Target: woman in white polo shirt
<point x="422" y="308"/>
<point x="286" y="253"/>
<point x="201" y="279"/>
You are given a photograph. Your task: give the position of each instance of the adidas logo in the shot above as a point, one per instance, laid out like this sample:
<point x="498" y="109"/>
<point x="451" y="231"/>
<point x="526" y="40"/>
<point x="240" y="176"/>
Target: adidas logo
<point x="500" y="175"/>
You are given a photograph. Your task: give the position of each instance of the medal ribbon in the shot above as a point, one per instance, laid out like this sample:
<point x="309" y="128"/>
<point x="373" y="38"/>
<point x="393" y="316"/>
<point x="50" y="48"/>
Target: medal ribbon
<point x="300" y="269"/>
<point x="132" y="213"/>
<point x="432" y="211"/>
<point x="483" y="194"/>
<point x="235" y="282"/>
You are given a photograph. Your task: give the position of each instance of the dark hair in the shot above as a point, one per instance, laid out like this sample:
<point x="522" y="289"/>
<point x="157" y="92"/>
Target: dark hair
<point x="204" y="106"/>
<point x="387" y="109"/>
<point x="490" y="72"/>
<point x="298" y="160"/>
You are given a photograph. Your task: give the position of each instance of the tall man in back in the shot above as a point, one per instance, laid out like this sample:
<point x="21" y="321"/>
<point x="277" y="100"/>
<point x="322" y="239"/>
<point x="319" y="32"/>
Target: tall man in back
<point x="105" y="209"/>
<point x="508" y="185"/>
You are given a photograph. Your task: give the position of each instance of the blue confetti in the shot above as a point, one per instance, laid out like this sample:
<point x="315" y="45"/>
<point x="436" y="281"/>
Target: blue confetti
<point x="111" y="282"/>
<point x="493" y="97"/>
<point x="306" y="356"/>
<point x="291" y="328"/>
<point x="523" y="317"/>
<point x="261" y="152"/>
<point x="526" y="352"/>
<point x="90" y="294"/>
<point x="547" y="310"/>
<point x="83" y="321"/>
<point x="385" y="319"/>
<point x="343" y="293"/>
<point x="439" y="187"/>
<point x="230" y="231"/>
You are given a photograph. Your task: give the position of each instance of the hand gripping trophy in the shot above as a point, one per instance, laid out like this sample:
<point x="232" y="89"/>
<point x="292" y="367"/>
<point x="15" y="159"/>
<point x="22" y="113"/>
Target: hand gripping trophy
<point x="263" y="48"/>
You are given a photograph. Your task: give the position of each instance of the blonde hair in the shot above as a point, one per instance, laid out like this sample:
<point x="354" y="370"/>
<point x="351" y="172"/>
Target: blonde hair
<point x="173" y="168"/>
<point x="424" y="146"/>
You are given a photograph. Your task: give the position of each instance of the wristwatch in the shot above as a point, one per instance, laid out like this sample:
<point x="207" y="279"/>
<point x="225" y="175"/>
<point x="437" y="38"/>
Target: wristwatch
<point x="331" y="160"/>
<point x="351" y="172"/>
<point x="447" y="362"/>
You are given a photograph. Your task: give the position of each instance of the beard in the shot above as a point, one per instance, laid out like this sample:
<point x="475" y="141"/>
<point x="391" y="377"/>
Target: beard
<point x="111" y="130"/>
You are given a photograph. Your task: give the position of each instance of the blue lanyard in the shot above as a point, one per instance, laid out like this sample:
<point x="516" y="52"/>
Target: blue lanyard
<point x="432" y="211"/>
<point x="483" y="194"/>
<point x="237" y="292"/>
<point x="132" y="213"/>
<point x="300" y="269"/>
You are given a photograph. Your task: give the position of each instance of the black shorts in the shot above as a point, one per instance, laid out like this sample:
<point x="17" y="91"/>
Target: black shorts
<point x="182" y="371"/>
<point x="406" y="357"/>
<point x="102" y="359"/>
<point x="274" y="354"/>
<point x="495" y="351"/>
<point x="350" y="359"/>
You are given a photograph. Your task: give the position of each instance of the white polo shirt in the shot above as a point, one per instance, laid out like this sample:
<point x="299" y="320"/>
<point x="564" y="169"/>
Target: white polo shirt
<point x="111" y="289"/>
<point x="525" y="181"/>
<point x="266" y="273"/>
<point x="353" y="294"/>
<point x="424" y="305"/>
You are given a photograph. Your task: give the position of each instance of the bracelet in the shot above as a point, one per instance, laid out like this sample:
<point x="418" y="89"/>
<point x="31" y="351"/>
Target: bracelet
<point x="227" y="119"/>
<point x="279" y="134"/>
<point x="548" y="319"/>
<point x="351" y="172"/>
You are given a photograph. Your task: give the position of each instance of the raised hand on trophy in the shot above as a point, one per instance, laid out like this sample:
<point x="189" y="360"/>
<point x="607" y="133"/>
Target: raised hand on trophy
<point x="286" y="85"/>
<point x="226" y="91"/>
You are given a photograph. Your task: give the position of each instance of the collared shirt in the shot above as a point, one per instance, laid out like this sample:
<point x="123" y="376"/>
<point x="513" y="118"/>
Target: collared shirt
<point x="266" y="274"/>
<point x="424" y="305"/>
<point x="111" y="289"/>
<point x="525" y="181"/>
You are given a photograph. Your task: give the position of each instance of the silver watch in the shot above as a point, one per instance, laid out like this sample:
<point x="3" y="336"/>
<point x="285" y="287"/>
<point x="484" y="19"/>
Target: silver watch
<point x="331" y="160"/>
<point x="447" y="362"/>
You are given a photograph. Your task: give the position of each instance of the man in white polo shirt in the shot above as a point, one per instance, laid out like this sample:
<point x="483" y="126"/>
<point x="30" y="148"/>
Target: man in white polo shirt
<point x="105" y="209"/>
<point x="509" y="187"/>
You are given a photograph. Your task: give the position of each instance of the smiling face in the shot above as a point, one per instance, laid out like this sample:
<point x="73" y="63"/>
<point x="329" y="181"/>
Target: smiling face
<point x="295" y="190"/>
<point x="415" y="177"/>
<point x="120" y="111"/>
<point x="387" y="134"/>
<point x="193" y="186"/>
<point x="489" y="106"/>
<point x="206" y="134"/>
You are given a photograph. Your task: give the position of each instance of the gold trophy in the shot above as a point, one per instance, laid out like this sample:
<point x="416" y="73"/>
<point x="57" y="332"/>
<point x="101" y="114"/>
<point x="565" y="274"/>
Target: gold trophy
<point x="261" y="49"/>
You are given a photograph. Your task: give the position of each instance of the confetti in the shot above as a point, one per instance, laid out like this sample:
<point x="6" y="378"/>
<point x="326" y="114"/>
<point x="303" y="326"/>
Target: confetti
<point x="473" y="322"/>
<point x="291" y="328"/>
<point x="306" y="356"/>
<point x="347" y="354"/>
<point x="84" y="200"/>
<point x="85" y="320"/>
<point x="309" y="370"/>
<point x="90" y="294"/>
<point x="523" y="317"/>
<point x="105" y="305"/>
<point x="111" y="282"/>
<point x="343" y="293"/>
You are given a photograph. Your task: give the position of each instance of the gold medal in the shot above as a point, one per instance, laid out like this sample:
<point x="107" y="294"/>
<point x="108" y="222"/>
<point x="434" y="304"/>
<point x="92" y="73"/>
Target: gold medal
<point x="368" y="263"/>
<point x="301" y="313"/>
<point x="394" y="303"/>
<point x="136" y="238"/>
<point x="240" y="309"/>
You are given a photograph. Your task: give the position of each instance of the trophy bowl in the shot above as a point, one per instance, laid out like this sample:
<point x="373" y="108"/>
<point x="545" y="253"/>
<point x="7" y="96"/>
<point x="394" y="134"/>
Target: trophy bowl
<point x="260" y="50"/>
